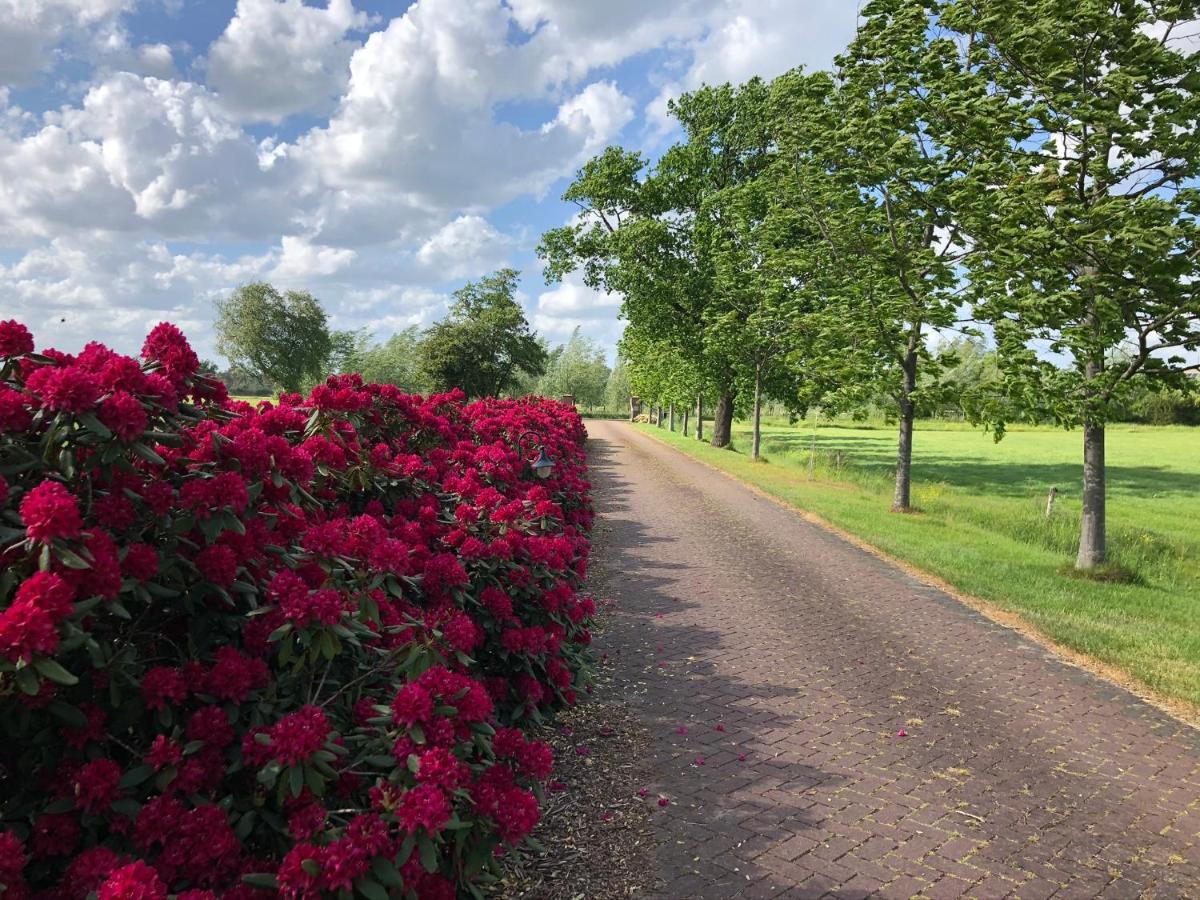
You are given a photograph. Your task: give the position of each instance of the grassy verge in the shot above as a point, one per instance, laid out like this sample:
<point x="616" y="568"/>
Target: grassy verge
<point x="982" y="526"/>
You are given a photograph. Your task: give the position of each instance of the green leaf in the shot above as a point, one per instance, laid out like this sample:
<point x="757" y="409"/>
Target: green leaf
<point x="245" y="825"/>
<point x="94" y="425"/>
<point x="135" y="776"/>
<point x="429" y="853"/>
<point x="315" y="782"/>
<point x="386" y="872"/>
<point x="54" y="672"/>
<point x="147" y="454"/>
<point x="70" y="558"/>
<point x="69" y="714"/>
<point x="127" y="807"/>
<point x="264" y="879"/>
<point x="296" y="780"/>
<point x="370" y="888"/>
<point x="27" y="680"/>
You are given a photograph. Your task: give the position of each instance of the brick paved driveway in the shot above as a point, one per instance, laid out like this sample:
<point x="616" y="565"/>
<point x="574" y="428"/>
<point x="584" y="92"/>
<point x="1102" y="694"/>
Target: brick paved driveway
<point x="785" y="661"/>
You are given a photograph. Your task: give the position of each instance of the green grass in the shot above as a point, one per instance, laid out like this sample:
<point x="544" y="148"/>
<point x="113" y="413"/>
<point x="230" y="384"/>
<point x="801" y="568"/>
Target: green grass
<point x="982" y="527"/>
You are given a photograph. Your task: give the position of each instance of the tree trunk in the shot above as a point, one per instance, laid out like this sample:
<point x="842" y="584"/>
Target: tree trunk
<point x="1092" y="539"/>
<point x="686" y="413"/>
<point x="723" y="421"/>
<point x="1092" y="549"/>
<point x="671" y="416"/>
<point x="699" y="418"/>
<point x="756" y="440"/>
<point x="659" y="419"/>
<point x="902" y="500"/>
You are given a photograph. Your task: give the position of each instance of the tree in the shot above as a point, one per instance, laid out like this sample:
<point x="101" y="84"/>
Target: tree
<point x="865" y="164"/>
<point x="617" y="390"/>
<point x="657" y="371"/>
<point x="283" y="338"/>
<point x="650" y="233"/>
<point x="395" y="361"/>
<point x="767" y="299"/>
<point x="578" y="368"/>
<point x="484" y="343"/>
<point x="629" y="240"/>
<point x="1083" y="206"/>
<point x="346" y="350"/>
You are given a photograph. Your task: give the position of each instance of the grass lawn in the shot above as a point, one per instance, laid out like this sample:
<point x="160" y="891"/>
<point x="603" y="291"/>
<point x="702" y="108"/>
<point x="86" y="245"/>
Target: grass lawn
<point x="982" y="527"/>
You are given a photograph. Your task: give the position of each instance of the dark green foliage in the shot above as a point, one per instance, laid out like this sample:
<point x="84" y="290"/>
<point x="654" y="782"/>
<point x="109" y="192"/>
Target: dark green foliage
<point x="485" y="343"/>
<point x="282" y="338"/>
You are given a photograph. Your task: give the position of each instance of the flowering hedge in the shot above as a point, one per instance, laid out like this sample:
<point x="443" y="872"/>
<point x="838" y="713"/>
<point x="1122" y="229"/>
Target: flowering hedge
<point x="277" y="650"/>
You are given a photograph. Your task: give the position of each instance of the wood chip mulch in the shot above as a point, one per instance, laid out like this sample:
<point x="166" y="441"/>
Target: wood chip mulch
<point x="595" y="834"/>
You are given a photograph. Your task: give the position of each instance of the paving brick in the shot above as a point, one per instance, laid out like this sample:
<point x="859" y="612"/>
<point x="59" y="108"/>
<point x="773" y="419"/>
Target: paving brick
<point x="1025" y="774"/>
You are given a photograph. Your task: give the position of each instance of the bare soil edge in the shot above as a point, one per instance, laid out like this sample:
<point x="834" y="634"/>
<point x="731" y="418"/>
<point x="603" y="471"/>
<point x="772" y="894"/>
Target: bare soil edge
<point x="1181" y="710"/>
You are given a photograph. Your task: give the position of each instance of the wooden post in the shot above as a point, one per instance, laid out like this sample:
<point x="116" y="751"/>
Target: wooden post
<point x="812" y="457"/>
<point x="1050" y="501"/>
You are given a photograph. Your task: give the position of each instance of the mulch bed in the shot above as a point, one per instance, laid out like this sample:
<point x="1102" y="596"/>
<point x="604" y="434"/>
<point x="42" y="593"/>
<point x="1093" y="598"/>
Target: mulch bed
<point x="595" y="837"/>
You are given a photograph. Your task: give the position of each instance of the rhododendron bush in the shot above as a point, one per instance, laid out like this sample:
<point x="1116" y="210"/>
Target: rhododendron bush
<point x="286" y="649"/>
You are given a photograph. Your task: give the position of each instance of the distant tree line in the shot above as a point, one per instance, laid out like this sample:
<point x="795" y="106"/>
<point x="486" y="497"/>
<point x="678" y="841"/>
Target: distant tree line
<point x="484" y="345"/>
<point x="1024" y="173"/>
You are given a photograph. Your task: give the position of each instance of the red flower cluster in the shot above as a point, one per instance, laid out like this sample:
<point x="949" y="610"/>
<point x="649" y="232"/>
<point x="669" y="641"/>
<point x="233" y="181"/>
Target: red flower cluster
<point x="234" y="624"/>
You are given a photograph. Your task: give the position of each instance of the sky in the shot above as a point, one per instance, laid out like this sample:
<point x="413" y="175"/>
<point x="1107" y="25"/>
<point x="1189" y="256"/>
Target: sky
<point x="154" y="154"/>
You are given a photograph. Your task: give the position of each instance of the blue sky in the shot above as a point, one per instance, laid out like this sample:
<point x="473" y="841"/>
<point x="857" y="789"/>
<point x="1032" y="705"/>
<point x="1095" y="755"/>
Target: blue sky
<point x="156" y="153"/>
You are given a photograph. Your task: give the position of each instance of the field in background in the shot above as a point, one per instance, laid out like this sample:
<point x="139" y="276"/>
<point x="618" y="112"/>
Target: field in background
<point x="982" y="524"/>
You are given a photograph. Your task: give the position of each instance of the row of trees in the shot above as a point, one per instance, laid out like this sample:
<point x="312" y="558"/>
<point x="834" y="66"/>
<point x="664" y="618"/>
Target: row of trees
<point x="484" y="345"/>
<point x="1023" y="172"/>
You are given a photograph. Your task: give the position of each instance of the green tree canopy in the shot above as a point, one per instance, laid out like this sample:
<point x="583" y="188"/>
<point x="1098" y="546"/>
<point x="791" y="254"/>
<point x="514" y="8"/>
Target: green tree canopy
<point x="577" y="367"/>
<point x="1082" y="129"/>
<point x="283" y="338"/>
<point x="485" y="342"/>
<point x="395" y="361"/>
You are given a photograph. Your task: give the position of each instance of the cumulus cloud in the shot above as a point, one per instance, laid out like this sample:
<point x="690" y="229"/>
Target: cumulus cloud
<point x="572" y="298"/>
<point x="281" y="57"/>
<point x="745" y="38"/>
<point x="72" y="290"/>
<point x="301" y="261"/>
<point x="31" y="31"/>
<point x="141" y="154"/>
<point x="465" y="247"/>
<point x="142" y="193"/>
<point x="419" y="116"/>
<point x="571" y="304"/>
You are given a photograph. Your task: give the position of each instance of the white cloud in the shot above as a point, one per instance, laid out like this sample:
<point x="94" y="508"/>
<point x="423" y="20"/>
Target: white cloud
<point x="147" y="196"/>
<point x="465" y="247"/>
<point x="31" y="30"/>
<point x="572" y="298"/>
<point x="745" y="38"/>
<point x="143" y="155"/>
<point x="73" y="290"/>
<point x="419" y="116"/>
<point x="571" y="304"/>
<point x="281" y="57"/>
<point x="302" y="261"/>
